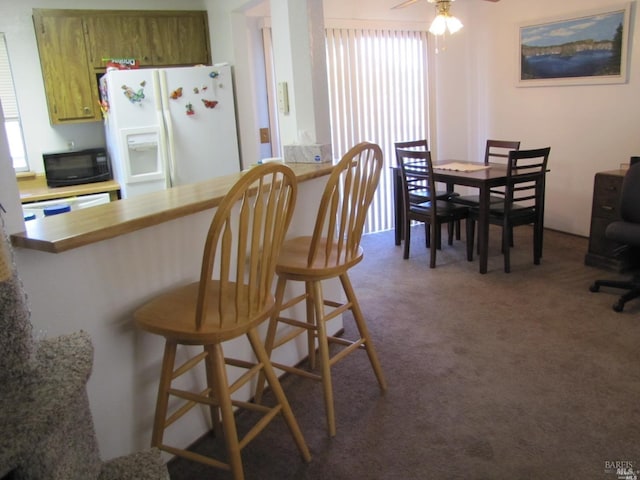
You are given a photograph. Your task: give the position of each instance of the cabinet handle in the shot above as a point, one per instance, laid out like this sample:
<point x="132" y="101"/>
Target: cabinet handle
<point x="86" y="110"/>
<point x="607" y="208"/>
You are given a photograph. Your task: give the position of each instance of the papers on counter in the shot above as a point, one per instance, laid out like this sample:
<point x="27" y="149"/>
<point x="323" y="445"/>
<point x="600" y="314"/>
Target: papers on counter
<point x="461" y="167"/>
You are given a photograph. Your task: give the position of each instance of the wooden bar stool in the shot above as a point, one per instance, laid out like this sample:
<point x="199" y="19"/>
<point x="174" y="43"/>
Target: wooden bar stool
<point x="241" y="247"/>
<point x="332" y="250"/>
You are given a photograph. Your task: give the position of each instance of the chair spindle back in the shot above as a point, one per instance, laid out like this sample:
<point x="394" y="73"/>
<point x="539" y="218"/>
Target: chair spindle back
<point x="243" y="249"/>
<point x="344" y="205"/>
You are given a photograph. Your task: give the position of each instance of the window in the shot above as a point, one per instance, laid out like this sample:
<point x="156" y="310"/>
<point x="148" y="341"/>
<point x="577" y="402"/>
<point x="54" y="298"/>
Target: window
<point x="10" y="108"/>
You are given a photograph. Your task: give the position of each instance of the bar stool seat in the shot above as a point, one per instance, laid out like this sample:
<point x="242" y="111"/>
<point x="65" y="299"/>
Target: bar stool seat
<point x="242" y="246"/>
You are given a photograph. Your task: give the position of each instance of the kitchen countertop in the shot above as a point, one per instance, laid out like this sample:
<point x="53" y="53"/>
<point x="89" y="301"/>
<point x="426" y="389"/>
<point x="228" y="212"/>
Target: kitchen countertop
<point x="34" y="189"/>
<point x="77" y="228"/>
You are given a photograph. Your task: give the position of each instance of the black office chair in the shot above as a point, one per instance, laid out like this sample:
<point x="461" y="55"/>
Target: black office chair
<point x="626" y="231"/>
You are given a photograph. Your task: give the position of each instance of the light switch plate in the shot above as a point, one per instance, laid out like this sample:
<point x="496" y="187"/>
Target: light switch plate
<point x="283" y="98"/>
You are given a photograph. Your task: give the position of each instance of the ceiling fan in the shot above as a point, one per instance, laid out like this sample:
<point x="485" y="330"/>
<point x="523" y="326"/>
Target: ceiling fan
<point x="406" y="3"/>
<point x="443" y="21"/>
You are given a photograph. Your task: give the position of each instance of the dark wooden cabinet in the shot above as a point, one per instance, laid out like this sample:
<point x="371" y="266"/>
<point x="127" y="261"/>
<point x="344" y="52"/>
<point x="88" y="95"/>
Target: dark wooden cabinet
<point x="602" y="252"/>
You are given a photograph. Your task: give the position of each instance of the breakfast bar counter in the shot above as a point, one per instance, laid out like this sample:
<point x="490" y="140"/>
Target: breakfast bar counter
<point x="108" y="260"/>
<point x="81" y="227"/>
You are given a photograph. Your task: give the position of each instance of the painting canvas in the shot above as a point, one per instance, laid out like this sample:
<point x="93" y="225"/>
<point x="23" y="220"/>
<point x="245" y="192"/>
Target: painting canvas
<point x="578" y="49"/>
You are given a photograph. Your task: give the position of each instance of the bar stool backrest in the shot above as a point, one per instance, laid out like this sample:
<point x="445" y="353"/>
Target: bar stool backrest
<point x="344" y="205"/>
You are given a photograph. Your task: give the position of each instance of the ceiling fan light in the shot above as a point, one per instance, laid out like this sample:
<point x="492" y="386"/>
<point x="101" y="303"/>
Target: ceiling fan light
<point x="444" y="20"/>
<point x="439" y="25"/>
<point x="453" y="24"/>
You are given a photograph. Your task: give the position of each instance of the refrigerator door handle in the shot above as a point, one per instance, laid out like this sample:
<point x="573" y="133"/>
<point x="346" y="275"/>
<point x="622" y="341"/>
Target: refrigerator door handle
<point x="167" y="126"/>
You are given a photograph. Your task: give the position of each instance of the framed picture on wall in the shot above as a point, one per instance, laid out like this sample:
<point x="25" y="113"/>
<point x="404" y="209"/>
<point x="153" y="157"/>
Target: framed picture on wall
<point x="577" y="49"/>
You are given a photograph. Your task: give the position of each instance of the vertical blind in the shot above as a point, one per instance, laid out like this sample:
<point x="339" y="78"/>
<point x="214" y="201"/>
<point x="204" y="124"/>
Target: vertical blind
<point x="378" y="92"/>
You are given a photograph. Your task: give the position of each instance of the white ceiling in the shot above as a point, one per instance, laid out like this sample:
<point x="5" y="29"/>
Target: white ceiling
<point x="363" y="10"/>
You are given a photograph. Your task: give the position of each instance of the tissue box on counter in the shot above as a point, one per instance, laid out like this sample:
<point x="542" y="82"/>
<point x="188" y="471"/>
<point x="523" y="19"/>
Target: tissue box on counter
<point x="316" y="153"/>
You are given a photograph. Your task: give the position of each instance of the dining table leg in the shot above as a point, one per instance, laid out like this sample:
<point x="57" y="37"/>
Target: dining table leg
<point x="483" y="228"/>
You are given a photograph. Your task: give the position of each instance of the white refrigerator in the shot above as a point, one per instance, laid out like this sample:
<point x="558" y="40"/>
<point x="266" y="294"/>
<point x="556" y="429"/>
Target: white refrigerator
<point x="169" y="127"/>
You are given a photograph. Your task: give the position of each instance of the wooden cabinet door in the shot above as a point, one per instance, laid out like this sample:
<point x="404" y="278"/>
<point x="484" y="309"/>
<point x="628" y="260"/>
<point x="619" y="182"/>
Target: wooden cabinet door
<point x="117" y="36"/>
<point x="75" y="45"/>
<point x="70" y="86"/>
<point x="181" y="39"/>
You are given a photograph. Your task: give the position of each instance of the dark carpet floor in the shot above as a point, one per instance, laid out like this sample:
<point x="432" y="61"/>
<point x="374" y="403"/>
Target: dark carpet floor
<point x="526" y="375"/>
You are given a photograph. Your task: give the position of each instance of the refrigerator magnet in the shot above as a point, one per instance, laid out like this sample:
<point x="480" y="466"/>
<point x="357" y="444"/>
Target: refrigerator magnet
<point x="210" y="103"/>
<point x="133" y="96"/>
<point x="189" y="108"/>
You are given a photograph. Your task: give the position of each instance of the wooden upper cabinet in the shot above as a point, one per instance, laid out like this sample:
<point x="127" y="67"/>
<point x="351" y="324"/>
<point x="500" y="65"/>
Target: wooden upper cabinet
<point x="152" y="38"/>
<point x="75" y="45"/>
<point x="117" y="36"/>
<point x="70" y="87"/>
<point x="189" y="44"/>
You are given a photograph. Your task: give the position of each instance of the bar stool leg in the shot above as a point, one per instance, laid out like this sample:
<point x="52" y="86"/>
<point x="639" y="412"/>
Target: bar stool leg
<point x="270" y="338"/>
<point x="325" y="366"/>
<point x="214" y="409"/>
<point x="311" y="333"/>
<point x="162" y="401"/>
<point x="274" y="383"/>
<point x="364" y="331"/>
<point x="226" y="408"/>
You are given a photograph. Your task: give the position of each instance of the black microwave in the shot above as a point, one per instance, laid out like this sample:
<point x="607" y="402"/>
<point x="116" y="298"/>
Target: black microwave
<point x="75" y="167"/>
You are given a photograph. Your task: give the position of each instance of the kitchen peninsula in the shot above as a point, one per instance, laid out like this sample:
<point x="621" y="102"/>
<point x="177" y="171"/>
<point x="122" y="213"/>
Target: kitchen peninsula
<point x="58" y="234"/>
<point x="90" y="269"/>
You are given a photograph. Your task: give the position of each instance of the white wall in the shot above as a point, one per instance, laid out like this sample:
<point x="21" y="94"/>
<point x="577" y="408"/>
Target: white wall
<point x="590" y="128"/>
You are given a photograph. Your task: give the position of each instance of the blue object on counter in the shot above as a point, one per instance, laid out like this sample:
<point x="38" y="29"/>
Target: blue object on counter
<point x="56" y="209"/>
<point x="29" y="216"/>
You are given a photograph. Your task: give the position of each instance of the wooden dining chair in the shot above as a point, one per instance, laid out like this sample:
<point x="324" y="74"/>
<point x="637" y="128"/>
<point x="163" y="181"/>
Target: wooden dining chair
<point x="522" y="202"/>
<point x="329" y="253"/>
<point x="419" y="190"/>
<point x="496" y="151"/>
<point x="231" y="299"/>
<point x="417" y="165"/>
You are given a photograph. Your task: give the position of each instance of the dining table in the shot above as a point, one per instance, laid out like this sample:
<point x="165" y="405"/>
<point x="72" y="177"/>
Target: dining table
<point x="482" y="176"/>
